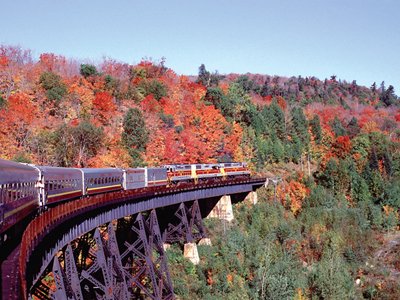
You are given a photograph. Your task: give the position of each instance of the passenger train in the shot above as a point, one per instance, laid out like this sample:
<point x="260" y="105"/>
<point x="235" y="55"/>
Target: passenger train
<point x="26" y="189"/>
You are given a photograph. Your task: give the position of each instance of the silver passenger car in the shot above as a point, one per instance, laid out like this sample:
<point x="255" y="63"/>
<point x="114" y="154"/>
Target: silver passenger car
<point x="101" y="180"/>
<point x="58" y="184"/>
<point x="18" y="193"/>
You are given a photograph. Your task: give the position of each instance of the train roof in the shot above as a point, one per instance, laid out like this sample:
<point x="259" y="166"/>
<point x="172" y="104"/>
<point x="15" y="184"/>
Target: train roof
<point x="13" y="172"/>
<point x="58" y="170"/>
<point x="101" y="170"/>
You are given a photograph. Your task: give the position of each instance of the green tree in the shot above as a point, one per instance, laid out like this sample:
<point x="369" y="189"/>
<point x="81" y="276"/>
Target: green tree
<point x="359" y="189"/>
<point x="2" y="102"/>
<point x="316" y="130"/>
<point x="331" y="278"/>
<point x="153" y="87"/>
<point x="113" y="86"/>
<point x="353" y="128"/>
<point x="135" y="136"/>
<point x="74" y="146"/>
<point x="88" y="70"/>
<point x="388" y="96"/>
<point x="247" y="84"/>
<point x="275" y="120"/>
<point x="337" y="127"/>
<point x="300" y="126"/>
<point x="327" y="177"/>
<point x="206" y="78"/>
<point x="55" y="88"/>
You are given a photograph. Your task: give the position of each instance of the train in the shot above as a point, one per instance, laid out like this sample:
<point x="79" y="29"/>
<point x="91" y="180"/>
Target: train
<point x="27" y="189"/>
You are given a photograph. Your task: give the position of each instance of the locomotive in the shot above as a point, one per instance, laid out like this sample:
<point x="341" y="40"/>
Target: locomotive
<point x="26" y="189"/>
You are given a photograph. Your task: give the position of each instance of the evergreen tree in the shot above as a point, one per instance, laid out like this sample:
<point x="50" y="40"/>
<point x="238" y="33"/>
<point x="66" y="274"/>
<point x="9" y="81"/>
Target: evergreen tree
<point x="55" y="88"/>
<point x="353" y="128"/>
<point x="300" y="126"/>
<point x="373" y="87"/>
<point x="265" y="90"/>
<point x="2" y="102"/>
<point x="276" y="120"/>
<point x="135" y="135"/>
<point x="388" y="96"/>
<point x="206" y="78"/>
<point x="359" y="189"/>
<point x="316" y="129"/>
<point x="247" y="84"/>
<point x="88" y="70"/>
<point x="338" y="128"/>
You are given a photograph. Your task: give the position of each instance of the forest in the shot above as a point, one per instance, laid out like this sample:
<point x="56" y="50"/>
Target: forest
<point x="330" y="230"/>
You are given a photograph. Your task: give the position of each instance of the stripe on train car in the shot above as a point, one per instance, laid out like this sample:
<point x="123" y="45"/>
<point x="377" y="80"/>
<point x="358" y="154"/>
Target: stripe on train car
<point x="104" y="187"/>
<point x="164" y="180"/>
<point x="153" y="182"/>
<point x="62" y="194"/>
<point x="14" y="211"/>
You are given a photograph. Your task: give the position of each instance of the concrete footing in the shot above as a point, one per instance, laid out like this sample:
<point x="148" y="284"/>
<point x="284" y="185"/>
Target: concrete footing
<point x="223" y="209"/>
<point x="205" y="242"/>
<point x="252" y="198"/>
<point x="191" y="253"/>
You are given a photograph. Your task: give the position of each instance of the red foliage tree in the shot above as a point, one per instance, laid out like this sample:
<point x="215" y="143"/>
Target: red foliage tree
<point x="103" y="106"/>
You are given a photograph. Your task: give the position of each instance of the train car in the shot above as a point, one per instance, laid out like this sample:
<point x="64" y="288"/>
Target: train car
<point x="208" y="171"/>
<point x="233" y="169"/>
<point x="96" y="181"/>
<point x="60" y="184"/>
<point x="134" y="178"/>
<point x="19" y="195"/>
<point x="156" y="176"/>
<point x="180" y="173"/>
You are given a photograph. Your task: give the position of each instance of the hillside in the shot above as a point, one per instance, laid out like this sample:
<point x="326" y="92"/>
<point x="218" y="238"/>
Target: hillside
<point x="334" y="143"/>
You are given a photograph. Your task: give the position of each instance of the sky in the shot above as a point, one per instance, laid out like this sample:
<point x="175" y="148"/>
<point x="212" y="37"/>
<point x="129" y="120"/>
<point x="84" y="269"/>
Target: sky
<point x="352" y="39"/>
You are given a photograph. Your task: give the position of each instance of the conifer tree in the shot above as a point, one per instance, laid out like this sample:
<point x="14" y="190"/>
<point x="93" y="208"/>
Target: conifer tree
<point x="135" y="135"/>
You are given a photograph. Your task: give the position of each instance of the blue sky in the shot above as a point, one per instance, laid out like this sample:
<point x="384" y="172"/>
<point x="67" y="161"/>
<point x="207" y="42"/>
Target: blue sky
<point x="353" y="39"/>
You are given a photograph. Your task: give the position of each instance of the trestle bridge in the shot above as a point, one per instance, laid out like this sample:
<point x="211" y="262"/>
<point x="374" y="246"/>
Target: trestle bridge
<point x="112" y="245"/>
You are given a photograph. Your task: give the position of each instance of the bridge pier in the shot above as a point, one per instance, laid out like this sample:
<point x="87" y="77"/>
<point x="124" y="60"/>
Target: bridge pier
<point x="190" y="252"/>
<point x="187" y="230"/>
<point x="252" y="197"/>
<point x="205" y="242"/>
<point x="223" y="209"/>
